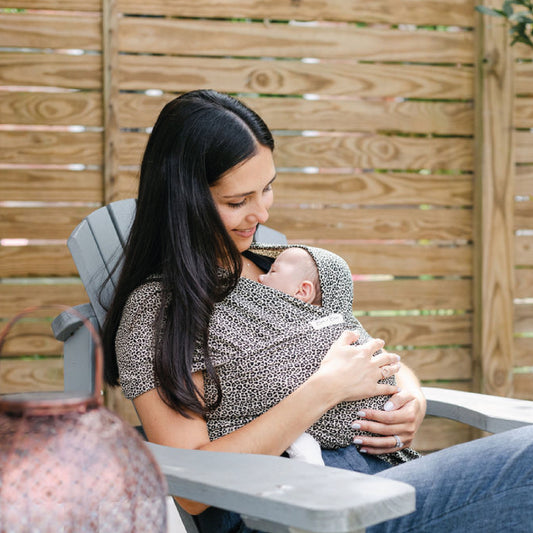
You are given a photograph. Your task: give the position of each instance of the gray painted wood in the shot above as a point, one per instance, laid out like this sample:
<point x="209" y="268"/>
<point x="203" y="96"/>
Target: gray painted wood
<point x="489" y="413"/>
<point x="282" y="492"/>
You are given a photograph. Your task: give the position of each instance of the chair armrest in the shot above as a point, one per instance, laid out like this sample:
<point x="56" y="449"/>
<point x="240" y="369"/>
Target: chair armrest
<point x="488" y="413"/>
<point x="65" y="324"/>
<point x="272" y="491"/>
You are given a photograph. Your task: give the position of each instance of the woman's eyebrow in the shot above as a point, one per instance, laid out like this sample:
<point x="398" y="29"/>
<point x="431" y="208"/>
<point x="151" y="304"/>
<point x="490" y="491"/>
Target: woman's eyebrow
<point x="248" y="193"/>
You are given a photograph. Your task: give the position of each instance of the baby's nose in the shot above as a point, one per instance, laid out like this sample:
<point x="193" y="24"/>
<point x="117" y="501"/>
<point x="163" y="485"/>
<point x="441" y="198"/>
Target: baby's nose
<point x="261" y="278"/>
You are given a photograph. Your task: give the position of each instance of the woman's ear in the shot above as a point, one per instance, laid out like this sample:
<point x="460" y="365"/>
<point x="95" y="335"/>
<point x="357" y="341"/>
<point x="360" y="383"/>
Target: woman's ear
<point x="306" y="291"/>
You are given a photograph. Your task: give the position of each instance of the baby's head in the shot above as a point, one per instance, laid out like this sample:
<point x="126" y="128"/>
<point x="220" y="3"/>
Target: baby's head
<point x="294" y="272"/>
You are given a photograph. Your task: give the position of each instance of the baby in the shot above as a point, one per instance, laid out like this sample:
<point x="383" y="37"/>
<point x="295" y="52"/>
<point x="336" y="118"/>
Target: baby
<point x="295" y="273"/>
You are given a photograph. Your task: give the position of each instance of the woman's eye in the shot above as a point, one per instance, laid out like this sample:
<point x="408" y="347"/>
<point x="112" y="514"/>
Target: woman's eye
<point x="268" y="188"/>
<point x="238" y="204"/>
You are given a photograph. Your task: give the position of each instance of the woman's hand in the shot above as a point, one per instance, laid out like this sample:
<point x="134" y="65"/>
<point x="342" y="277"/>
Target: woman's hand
<point x="402" y="416"/>
<point x="352" y="373"/>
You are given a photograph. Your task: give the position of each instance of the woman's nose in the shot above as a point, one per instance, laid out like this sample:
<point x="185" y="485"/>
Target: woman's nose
<point x="260" y="212"/>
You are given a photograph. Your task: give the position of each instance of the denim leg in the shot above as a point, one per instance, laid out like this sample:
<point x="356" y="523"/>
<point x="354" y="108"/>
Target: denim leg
<point x="482" y="486"/>
<point x="349" y="458"/>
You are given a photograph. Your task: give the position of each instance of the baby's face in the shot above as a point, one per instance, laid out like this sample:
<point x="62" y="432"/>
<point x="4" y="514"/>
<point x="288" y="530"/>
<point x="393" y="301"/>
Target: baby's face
<point x="285" y="274"/>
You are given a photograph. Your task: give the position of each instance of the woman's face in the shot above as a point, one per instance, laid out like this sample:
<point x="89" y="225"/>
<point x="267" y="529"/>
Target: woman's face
<point x="243" y="196"/>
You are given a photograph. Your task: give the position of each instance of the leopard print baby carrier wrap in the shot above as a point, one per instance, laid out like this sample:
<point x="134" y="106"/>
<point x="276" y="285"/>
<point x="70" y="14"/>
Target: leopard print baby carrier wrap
<point x="264" y="344"/>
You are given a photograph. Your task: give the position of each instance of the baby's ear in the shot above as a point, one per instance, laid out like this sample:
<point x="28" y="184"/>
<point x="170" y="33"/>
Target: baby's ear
<point x="306" y="291"/>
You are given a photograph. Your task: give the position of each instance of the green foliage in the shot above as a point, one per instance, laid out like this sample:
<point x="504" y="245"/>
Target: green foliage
<point x="521" y="21"/>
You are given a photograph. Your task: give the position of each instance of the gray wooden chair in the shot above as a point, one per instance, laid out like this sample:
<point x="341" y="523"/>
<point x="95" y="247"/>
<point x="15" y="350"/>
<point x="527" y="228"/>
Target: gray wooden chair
<point x="273" y="494"/>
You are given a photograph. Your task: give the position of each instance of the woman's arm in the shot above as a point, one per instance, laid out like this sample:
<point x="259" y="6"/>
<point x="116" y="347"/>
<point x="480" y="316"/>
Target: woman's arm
<point x="403" y="415"/>
<point x="348" y="372"/>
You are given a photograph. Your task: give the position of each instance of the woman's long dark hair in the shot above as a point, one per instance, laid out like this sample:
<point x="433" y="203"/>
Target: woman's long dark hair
<point x="177" y="233"/>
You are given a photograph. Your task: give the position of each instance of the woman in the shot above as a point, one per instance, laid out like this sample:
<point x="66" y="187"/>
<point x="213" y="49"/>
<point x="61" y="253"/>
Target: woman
<point x="206" y="182"/>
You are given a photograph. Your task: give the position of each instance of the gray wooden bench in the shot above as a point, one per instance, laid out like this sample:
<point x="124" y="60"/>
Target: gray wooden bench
<point x="273" y="494"/>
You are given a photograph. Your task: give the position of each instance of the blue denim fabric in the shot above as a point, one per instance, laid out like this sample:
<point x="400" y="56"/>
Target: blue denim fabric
<point x="483" y="486"/>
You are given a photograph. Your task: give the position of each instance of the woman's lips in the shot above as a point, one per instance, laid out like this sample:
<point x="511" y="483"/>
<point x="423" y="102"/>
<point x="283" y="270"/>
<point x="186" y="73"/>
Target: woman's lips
<point x="245" y="233"/>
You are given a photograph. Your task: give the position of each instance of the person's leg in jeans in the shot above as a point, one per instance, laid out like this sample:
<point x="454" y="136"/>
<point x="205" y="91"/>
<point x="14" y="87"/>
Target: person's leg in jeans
<point x="481" y="486"/>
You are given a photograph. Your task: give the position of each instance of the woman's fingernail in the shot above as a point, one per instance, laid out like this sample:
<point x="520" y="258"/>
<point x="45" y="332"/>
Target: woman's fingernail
<point x="389" y="406"/>
<point x="357" y="441"/>
<point x="361" y="414"/>
<point x="362" y="450"/>
<point x="355" y="425"/>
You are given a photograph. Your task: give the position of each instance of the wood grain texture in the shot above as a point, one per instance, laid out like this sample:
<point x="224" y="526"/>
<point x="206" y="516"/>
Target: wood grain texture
<point x="50" y="185"/>
<point x="372" y="188"/>
<point x="370" y="258"/>
<point x="523" y="212"/>
<point x="523" y="147"/>
<point x="444" y="12"/>
<point x="16" y="297"/>
<point x="524" y="78"/>
<point x="523" y="349"/>
<point x="523" y="112"/>
<point x="523" y="250"/>
<point x="436" y="433"/>
<point x="40" y="222"/>
<point x="523" y="386"/>
<point x="287" y="77"/>
<point x="65" y="31"/>
<point x="30" y="338"/>
<point x="50" y="70"/>
<point x="439" y="363"/>
<point x="60" y="5"/>
<point x="524" y="180"/>
<point x="413" y="294"/>
<point x="36" y="261"/>
<point x="494" y="203"/>
<point x="51" y="148"/>
<point x="450" y="118"/>
<point x="419" y="331"/>
<point x="31" y="375"/>
<point x="223" y="38"/>
<point x="75" y="108"/>
<point x="378" y="223"/>
<point x="347" y="151"/>
<point x="523" y="283"/>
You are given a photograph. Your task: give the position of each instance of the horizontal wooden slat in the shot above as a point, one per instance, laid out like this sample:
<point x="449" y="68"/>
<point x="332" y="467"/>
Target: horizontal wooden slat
<point x="438" y="433"/>
<point x="524" y="180"/>
<point x="524" y="78"/>
<point x="40" y="261"/>
<point x="115" y="401"/>
<point x="382" y="224"/>
<point x="413" y="294"/>
<point x="347" y="151"/>
<point x="523" y="319"/>
<point x="524" y="146"/>
<point x="63" y="5"/>
<point x="221" y="38"/>
<point x="421" y="330"/>
<point x="40" y="222"/>
<point x="523" y="283"/>
<point x="51" y="70"/>
<point x="79" y="108"/>
<point x="523" y="215"/>
<point x="523" y="250"/>
<point x="523" y="51"/>
<point x="443" y="12"/>
<point x="372" y="258"/>
<point x="338" y="115"/>
<point x="51" y="148"/>
<point x="523" y="112"/>
<point x="374" y="151"/>
<point x="180" y="74"/>
<point x="371" y="188"/>
<point x="523" y="386"/>
<point x="30" y="338"/>
<point x="31" y="375"/>
<point x="523" y="351"/>
<point x="47" y="185"/>
<point x="439" y="363"/>
<point x="16" y="297"/>
<point x="30" y="30"/>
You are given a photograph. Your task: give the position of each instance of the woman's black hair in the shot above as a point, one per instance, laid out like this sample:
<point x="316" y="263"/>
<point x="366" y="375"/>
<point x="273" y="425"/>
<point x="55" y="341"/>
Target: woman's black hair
<point x="178" y="236"/>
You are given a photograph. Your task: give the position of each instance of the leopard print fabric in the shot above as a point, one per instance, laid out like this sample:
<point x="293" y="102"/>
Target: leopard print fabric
<point x="263" y="343"/>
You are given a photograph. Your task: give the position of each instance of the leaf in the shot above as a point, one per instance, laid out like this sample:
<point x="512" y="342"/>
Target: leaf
<point x="492" y="12"/>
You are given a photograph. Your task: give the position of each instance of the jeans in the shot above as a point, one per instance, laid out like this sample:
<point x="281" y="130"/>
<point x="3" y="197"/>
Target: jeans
<point x="481" y="486"/>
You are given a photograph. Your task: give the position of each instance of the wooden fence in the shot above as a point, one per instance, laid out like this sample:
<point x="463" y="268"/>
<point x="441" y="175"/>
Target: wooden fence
<point x="382" y="157"/>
